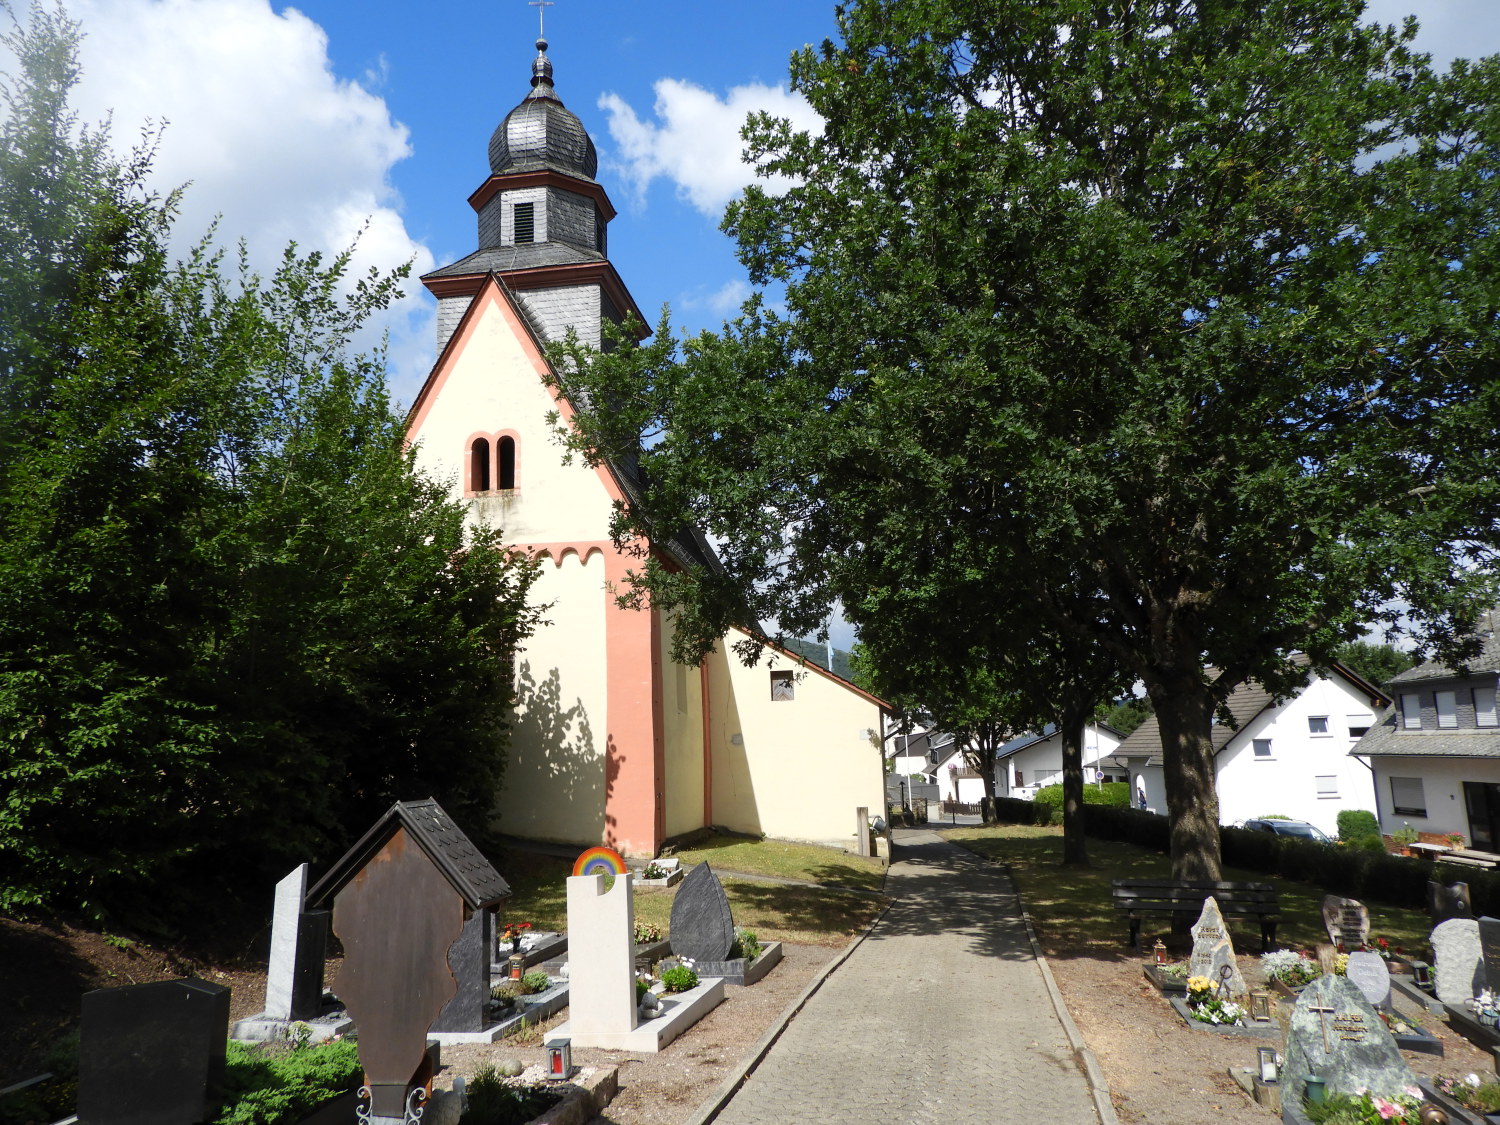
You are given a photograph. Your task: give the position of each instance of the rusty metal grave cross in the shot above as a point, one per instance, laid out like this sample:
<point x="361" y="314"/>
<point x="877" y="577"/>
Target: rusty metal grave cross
<point x="1323" y="1013"/>
<point x="541" y="7"/>
<point x="1222" y="991"/>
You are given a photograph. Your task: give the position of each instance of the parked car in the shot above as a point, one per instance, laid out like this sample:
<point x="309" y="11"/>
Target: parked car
<point x="1290" y="828"/>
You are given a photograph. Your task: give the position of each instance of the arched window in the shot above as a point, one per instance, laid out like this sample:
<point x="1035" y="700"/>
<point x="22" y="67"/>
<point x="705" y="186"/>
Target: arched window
<point x="479" y="465"/>
<point x="507" y="456"/>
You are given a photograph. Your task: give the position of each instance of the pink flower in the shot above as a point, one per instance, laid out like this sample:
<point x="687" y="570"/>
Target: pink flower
<point x="1387" y="1109"/>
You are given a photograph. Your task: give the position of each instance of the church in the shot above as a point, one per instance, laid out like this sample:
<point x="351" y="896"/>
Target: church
<point x="614" y="742"/>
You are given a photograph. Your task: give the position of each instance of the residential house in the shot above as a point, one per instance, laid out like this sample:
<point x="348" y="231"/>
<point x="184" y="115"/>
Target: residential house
<point x="1436" y="750"/>
<point x="1286" y="758"/>
<point x="1034" y="761"/>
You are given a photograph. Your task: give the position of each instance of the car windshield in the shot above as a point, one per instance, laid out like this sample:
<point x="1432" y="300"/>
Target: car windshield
<point x="1307" y="830"/>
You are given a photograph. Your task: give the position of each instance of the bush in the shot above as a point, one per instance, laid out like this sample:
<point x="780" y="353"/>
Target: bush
<point x="536" y="982"/>
<point x="1115" y="794"/>
<point x="1358" y="824"/>
<point x="1247" y="847"/>
<point x="494" y="1101"/>
<point x="679" y="978"/>
<point x="268" y="1083"/>
<point x="746" y="945"/>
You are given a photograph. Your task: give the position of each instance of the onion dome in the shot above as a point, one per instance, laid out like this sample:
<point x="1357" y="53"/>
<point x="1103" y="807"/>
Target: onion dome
<point x="541" y="132"/>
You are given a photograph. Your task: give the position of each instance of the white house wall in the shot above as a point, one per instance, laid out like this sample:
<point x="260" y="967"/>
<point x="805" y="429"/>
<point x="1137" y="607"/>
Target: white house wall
<point x="1286" y="783"/>
<point x="1040" y="764"/>
<point x="1442" y="790"/>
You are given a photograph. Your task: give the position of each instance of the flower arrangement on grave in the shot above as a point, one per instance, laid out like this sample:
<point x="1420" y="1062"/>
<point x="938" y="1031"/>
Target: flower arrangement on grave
<point x="1471" y="1092"/>
<point x="1485" y="1007"/>
<point x="1341" y="964"/>
<point x="654" y="870"/>
<point x="1366" y="1109"/>
<point x="1386" y="950"/>
<point x="646" y="933"/>
<point x="1291" y="968"/>
<point x="679" y="978"/>
<point x="1208" y="1008"/>
<point x="746" y="944"/>
<point x="513" y="932"/>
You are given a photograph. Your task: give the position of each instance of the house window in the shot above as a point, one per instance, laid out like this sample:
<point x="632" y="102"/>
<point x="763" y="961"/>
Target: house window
<point x="1359" y="732"/>
<point x="1262" y="747"/>
<point x="1446" y="703"/>
<point x="1328" y="785"/>
<point x="781" y="686"/>
<point x="932" y="756"/>
<point x="1407" y="798"/>
<point x="1411" y="711"/>
<point x="479" y="466"/>
<point x="1484" y="707"/>
<point x="1317" y="724"/>
<point x="525" y="223"/>
<point x="507" y="457"/>
<point x="1019" y="782"/>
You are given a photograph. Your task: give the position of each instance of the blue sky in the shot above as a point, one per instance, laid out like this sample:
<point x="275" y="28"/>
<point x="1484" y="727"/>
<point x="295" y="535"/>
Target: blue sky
<point x="312" y="123"/>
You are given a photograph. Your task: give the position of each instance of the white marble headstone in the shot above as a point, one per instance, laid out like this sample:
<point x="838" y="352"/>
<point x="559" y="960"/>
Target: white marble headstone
<point x="1213" y="951"/>
<point x="1458" y="964"/>
<point x="601" y="957"/>
<point x="281" y="972"/>
<point x="1369" y="973"/>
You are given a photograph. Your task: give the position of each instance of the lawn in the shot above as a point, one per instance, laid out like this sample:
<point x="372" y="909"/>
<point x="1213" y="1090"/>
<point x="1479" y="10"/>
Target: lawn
<point x="787" y="861"/>
<point x="1072" y="910"/>
<point x="776" y="912"/>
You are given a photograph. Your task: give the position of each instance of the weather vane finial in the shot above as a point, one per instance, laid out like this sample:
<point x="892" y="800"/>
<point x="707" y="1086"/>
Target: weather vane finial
<point x="541" y="7"/>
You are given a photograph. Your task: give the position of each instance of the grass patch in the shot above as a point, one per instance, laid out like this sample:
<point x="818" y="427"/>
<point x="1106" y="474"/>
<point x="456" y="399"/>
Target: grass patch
<point x="787" y="861"/>
<point x="1074" y="915"/>
<point x="776" y="912"/>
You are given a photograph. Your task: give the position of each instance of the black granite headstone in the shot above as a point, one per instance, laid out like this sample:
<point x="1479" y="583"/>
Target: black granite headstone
<point x="307" y="969"/>
<point x="151" y="1054"/>
<point x="1447" y="902"/>
<point x="469" y="958"/>
<point x="1336" y="1034"/>
<point x="702" y="927"/>
<point x="1489" y="948"/>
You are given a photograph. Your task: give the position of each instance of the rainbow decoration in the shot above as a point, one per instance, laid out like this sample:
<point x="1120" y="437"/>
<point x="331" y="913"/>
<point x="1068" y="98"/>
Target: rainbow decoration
<point x="600" y="861"/>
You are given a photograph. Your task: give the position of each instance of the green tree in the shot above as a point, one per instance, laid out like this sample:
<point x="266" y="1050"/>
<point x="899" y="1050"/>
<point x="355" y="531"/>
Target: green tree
<point x="235" y="622"/>
<point x="1173" y="318"/>
<point x="1375" y="662"/>
<point x="1125" y="713"/>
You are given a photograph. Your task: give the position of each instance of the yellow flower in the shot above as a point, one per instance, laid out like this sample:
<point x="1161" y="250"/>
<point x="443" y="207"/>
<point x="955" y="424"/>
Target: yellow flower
<point x="1198" y="984"/>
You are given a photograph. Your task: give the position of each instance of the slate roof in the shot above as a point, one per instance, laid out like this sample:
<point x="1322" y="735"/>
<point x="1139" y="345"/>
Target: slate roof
<point x="1386" y="740"/>
<point x="1021" y="742"/>
<point x="506" y="259"/>
<point x="1244" y="703"/>
<point x="541" y="132"/>
<point x="1488" y="659"/>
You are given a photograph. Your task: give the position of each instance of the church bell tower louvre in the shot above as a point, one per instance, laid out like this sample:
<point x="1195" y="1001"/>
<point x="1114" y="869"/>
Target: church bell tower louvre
<point x="543" y="223"/>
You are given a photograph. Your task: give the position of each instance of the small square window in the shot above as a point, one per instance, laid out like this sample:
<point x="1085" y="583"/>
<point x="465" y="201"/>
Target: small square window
<point x="1359" y="732"/>
<point x="1317" y="724"/>
<point x="1262" y="747"/>
<point x="781" y="686"/>
<point x="1411" y="711"/>
<point x="1407" y="798"/>
<point x="1446" y="703"/>
<point x="1328" y="785"/>
<point x="1484" y="707"/>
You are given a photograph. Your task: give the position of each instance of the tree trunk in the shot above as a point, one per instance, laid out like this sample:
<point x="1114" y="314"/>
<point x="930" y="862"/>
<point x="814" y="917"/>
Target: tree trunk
<point x="1075" y="843"/>
<point x="987" y="805"/>
<point x="1184" y="712"/>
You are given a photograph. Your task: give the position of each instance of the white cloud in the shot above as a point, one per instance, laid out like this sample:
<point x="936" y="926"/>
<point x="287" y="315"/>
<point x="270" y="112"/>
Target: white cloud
<point x="723" y="301"/>
<point x="265" y="134"/>
<point x="695" y="140"/>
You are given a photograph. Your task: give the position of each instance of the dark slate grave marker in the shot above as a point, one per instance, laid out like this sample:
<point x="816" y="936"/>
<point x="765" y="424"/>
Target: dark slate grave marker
<point x="149" y="1054"/>
<point x="1346" y="920"/>
<point x="469" y="958"/>
<point x="702" y="928"/>
<point x="1447" y="902"/>
<point x="1489" y="946"/>
<point x="1336" y="1034"/>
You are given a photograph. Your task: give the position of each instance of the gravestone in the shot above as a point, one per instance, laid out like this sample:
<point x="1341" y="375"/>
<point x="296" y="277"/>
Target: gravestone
<point x="1489" y="950"/>
<point x="702" y="928"/>
<point x="1347" y="921"/>
<point x="1458" y="963"/>
<point x="401" y="898"/>
<point x="1447" y="902"/>
<point x="1213" y="951"/>
<point x="152" y="1054"/>
<point x="299" y="944"/>
<point x="602" y="1000"/>
<point x="1371" y="976"/>
<point x="1336" y="1034"/>
<point x="469" y="958"/>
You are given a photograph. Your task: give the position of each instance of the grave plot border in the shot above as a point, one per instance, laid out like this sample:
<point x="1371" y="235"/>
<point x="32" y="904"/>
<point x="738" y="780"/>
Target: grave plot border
<point x="1167" y="986"/>
<point x="1457" y="1114"/>
<point x="534" y="1009"/>
<point x="1471" y="1029"/>
<point x="739" y="971"/>
<point x="1253" y="1030"/>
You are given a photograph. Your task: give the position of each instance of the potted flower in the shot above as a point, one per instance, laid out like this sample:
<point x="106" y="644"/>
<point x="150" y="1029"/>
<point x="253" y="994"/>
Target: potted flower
<point x="1473" y="1094"/>
<point x="1403" y="1109"/>
<point x="1485" y="1008"/>
<point x="1289" y="971"/>
<point x="513" y="932"/>
<point x="1205" y="1007"/>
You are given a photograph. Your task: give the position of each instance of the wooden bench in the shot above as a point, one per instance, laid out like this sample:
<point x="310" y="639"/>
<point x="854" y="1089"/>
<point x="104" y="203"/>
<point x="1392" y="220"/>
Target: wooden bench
<point x="1184" y="899"/>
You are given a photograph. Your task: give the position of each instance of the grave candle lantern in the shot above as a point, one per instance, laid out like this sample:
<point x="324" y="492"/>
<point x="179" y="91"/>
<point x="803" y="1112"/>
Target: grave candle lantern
<point x="515" y="966"/>
<point x="1267" y="1058"/>
<point x="1260" y="1005"/>
<point x="1159" y="951"/>
<point x="559" y="1059"/>
<point x="1421" y="974"/>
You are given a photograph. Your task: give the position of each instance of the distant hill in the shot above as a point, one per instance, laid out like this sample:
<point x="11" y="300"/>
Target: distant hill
<point x="816" y="652"/>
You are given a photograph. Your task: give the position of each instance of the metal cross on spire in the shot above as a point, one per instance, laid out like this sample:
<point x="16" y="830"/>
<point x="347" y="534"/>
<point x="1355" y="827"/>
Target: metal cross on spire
<point x="541" y="7"/>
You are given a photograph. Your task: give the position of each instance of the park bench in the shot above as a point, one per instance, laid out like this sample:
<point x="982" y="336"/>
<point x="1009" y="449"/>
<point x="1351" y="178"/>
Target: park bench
<point x="1183" y="899"/>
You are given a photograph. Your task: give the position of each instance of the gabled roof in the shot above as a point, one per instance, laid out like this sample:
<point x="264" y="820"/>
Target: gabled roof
<point x="1016" y="745"/>
<point x="1488" y="659"/>
<point x="442" y="841"/>
<point x="1386" y="740"/>
<point x="1244" y="704"/>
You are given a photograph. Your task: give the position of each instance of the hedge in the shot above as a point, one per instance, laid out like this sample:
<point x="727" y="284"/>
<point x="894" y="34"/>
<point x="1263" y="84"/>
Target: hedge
<point x="1114" y="793"/>
<point x="1338" y="869"/>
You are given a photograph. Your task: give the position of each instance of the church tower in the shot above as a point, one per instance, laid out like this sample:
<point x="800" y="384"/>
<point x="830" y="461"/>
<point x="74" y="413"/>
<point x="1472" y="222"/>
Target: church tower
<point x="543" y="224"/>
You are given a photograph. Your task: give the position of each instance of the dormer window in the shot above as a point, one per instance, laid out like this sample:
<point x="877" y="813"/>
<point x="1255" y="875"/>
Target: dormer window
<point x="1446" y="703"/>
<point x="1484" y="707"/>
<point x="525" y="223"/>
<point x="1411" y="711"/>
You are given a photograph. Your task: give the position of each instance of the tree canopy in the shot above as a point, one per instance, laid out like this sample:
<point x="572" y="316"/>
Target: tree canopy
<point x="235" y="621"/>
<point x="1172" y="320"/>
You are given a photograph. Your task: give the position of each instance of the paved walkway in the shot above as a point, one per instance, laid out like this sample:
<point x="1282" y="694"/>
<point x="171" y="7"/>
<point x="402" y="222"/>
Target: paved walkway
<point x="941" y="1015"/>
